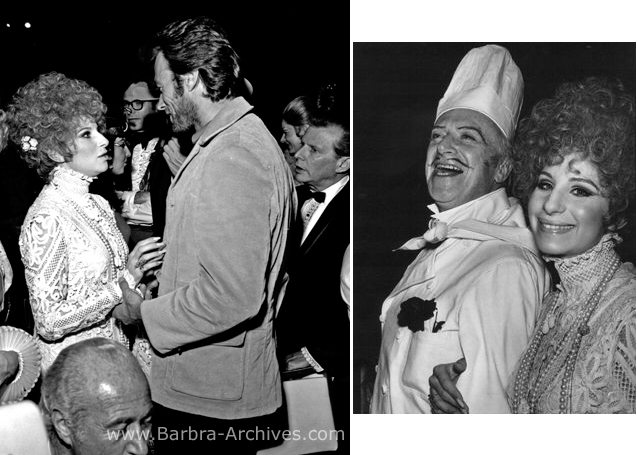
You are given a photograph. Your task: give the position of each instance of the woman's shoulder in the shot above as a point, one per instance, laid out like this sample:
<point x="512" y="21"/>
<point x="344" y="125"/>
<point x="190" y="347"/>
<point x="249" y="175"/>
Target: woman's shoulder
<point x="46" y="206"/>
<point x="622" y="285"/>
<point x="619" y="297"/>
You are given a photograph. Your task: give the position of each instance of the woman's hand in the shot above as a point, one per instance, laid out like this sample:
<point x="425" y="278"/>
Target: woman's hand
<point x="147" y="255"/>
<point x="444" y="396"/>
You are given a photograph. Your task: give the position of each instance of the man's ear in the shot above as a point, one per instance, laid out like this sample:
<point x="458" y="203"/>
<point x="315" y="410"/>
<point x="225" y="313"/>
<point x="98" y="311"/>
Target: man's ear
<point x="342" y="165"/>
<point x="191" y="80"/>
<point x="503" y="170"/>
<point x="61" y="427"/>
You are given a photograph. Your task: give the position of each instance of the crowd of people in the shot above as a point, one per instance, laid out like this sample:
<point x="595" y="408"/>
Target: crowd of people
<point x="169" y="256"/>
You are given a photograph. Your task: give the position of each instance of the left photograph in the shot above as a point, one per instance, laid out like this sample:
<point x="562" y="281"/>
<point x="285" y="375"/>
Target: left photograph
<point x="175" y="233"/>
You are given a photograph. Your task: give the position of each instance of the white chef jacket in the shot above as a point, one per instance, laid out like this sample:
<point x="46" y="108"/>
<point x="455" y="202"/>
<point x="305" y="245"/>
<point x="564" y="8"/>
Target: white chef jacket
<point x="488" y="281"/>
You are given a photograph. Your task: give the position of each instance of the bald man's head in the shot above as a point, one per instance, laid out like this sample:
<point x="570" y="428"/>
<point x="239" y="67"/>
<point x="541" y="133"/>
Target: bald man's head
<point x="91" y="385"/>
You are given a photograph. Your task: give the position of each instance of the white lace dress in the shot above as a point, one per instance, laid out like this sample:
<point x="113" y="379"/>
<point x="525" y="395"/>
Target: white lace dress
<point x="73" y="255"/>
<point x="603" y="371"/>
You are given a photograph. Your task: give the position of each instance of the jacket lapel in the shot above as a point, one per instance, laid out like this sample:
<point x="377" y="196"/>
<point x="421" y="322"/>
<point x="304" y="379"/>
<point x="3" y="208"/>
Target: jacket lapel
<point x="333" y="209"/>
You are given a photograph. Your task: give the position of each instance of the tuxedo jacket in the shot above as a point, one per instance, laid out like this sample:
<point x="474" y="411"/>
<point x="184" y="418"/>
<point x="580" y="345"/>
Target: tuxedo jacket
<point x="313" y="313"/>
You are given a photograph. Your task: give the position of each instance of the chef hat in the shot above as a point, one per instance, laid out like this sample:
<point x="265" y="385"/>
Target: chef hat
<point x="487" y="81"/>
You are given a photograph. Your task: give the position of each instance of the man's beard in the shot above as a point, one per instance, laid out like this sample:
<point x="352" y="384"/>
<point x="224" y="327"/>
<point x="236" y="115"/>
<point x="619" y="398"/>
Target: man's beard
<point x="185" y="115"/>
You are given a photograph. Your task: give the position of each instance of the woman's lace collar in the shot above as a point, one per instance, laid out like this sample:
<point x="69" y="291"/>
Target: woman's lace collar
<point x="584" y="270"/>
<point x="70" y="181"/>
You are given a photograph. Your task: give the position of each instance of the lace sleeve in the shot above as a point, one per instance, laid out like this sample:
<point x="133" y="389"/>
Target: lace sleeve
<point x="624" y="361"/>
<point x="61" y="303"/>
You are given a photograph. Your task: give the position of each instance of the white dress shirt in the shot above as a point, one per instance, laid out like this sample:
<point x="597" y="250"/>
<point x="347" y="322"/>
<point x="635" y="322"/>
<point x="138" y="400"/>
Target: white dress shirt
<point x="330" y="193"/>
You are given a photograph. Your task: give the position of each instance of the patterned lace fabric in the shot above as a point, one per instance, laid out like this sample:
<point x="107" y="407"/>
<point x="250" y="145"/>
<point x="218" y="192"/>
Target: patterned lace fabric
<point x="72" y="271"/>
<point x="604" y="376"/>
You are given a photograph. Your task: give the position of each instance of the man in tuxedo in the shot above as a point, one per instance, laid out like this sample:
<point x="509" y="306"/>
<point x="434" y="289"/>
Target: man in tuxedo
<point x="312" y="323"/>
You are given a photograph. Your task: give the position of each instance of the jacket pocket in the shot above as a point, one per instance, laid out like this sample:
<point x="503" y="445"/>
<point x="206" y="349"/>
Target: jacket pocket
<point x="215" y="371"/>
<point x="426" y="350"/>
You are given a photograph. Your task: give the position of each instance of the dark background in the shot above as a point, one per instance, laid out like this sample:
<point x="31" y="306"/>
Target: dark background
<point x="396" y="88"/>
<point x="287" y="49"/>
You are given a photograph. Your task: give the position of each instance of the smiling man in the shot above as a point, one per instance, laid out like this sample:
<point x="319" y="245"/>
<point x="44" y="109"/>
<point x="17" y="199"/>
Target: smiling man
<point x="474" y="290"/>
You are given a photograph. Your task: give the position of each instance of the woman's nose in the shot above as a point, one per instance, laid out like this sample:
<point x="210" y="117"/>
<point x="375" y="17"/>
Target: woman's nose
<point x="554" y="202"/>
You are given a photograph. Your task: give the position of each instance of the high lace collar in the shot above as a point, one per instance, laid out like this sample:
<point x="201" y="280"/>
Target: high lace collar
<point x="70" y="181"/>
<point x="583" y="272"/>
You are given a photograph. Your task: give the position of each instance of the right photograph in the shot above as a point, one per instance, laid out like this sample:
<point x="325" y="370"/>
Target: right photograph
<point x="494" y="227"/>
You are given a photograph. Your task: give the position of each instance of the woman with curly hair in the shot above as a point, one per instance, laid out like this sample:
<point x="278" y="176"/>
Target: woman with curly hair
<point x="73" y="253"/>
<point x="575" y="167"/>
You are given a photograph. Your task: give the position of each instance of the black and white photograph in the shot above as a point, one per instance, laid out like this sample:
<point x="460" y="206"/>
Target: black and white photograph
<point x="192" y="261"/>
<point x="402" y="92"/>
<point x="174" y="181"/>
<point x="480" y="126"/>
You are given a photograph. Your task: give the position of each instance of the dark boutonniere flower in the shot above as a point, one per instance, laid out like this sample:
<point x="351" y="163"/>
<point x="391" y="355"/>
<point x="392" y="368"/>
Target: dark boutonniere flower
<point x="414" y="312"/>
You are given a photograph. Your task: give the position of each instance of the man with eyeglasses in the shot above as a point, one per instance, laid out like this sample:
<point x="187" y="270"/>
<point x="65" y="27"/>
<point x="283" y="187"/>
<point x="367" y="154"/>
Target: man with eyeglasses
<point x="150" y="176"/>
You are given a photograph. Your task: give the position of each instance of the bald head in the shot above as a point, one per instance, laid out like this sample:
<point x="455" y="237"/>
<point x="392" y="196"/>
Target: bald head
<point x="90" y="384"/>
<point x="86" y="367"/>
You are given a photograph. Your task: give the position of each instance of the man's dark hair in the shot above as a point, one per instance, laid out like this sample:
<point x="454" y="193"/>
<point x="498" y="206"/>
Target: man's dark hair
<point x="201" y="45"/>
<point x="331" y="108"/>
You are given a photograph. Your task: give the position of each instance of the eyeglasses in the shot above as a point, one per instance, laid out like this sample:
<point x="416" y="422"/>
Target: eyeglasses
<point x="136" y="105"/>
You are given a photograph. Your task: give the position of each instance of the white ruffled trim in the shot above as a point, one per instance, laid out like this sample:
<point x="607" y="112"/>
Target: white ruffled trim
<point x="318" y="368"/>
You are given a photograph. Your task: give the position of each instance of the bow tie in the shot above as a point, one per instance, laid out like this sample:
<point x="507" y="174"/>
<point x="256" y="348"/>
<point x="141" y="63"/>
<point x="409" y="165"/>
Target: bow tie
<point x="319" y="196"/>
<point x="305" y="193"/>
<point x="437" y="233"/>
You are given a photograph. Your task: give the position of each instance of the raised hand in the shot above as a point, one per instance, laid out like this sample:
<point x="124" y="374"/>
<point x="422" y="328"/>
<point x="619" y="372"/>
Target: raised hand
<point x="147" y="255"/>
<point x="173" y="156"/>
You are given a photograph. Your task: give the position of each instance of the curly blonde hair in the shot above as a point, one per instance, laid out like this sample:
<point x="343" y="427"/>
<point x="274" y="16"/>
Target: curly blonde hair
<point x="50" y="109"/>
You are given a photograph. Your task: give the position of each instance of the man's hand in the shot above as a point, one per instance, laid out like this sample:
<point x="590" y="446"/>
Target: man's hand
<point x="296" y="361"/>
<point x="129" y="311"/>
<point x="444" y="396"/>
<point x="173" y="156"/>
